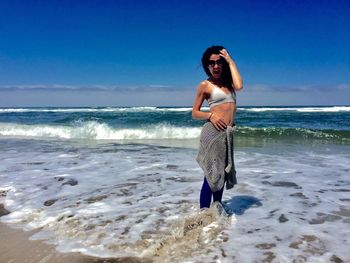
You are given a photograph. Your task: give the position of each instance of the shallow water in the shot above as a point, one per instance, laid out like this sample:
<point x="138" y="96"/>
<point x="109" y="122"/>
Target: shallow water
<point x="139" y="199"/>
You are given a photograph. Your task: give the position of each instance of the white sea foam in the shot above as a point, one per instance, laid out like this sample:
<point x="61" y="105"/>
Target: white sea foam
<point x="106" y="199"/>
<point x="326" y="109"/>
<point x="300" y="109"/>
<point x="99" y="131"/>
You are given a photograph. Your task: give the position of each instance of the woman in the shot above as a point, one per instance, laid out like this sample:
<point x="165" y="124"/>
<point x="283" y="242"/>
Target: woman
<point x="215" y="155"/>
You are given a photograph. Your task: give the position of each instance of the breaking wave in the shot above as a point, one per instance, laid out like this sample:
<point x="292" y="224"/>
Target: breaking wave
<point x="93" y="130"/>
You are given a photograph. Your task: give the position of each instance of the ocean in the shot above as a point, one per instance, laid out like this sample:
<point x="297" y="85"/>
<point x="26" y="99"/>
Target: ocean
<point x="123" y="182"/>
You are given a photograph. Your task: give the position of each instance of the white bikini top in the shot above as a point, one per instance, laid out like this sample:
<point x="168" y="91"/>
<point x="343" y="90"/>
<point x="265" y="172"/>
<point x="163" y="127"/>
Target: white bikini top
<point x="218" y="96"/>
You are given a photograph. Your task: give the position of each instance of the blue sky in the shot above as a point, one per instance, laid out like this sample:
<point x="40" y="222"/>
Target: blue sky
<point x="95" y="53"/>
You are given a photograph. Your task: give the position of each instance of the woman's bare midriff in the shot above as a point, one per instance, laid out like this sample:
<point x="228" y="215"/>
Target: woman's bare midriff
<point x="226" y="111"/>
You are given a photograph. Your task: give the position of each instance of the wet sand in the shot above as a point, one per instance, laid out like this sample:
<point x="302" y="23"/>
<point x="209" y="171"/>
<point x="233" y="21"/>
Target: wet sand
<point x="15" y="247"/>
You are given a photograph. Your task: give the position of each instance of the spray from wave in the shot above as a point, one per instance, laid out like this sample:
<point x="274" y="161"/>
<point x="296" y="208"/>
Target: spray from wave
<point x="99" y="131"/>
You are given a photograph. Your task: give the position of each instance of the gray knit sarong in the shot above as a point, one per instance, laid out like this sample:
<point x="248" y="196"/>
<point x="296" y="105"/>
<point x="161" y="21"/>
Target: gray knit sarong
<point x="215" y="157"/>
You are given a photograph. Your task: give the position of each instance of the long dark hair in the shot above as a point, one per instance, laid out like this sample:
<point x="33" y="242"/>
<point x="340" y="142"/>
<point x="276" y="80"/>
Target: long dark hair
<point x="226" y="77"/>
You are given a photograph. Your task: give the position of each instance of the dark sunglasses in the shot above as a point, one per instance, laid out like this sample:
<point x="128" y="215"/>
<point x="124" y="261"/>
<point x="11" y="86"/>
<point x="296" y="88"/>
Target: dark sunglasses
<point x="218" y="62"/>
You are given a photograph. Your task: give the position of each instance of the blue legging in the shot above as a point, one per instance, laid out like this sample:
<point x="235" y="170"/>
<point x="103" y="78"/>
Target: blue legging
<point x="206" y="193"/>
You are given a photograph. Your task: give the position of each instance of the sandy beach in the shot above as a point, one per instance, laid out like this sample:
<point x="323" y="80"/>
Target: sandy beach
<point x="17" y="248"/>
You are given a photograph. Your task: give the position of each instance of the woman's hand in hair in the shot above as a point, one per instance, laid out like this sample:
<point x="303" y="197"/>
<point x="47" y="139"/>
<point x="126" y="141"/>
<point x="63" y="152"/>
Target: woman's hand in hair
<point x="237" y="82"/>
<point x="218" y="122"/>
<point x="226" y="56"/>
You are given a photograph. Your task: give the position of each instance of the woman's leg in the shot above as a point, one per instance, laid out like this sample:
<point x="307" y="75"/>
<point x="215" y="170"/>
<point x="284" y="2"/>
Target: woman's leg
<point x="205" y="198"/>
<point x="218" y="195"/>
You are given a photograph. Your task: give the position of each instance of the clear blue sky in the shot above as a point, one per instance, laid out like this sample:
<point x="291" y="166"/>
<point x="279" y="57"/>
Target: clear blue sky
<point x="156" y="46"/>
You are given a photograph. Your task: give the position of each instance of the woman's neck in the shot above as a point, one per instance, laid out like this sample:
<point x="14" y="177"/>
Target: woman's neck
<point x="217" y="82"/>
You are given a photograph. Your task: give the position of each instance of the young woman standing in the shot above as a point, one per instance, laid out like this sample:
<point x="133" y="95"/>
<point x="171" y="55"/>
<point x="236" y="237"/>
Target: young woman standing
<point x="215" y="154"/>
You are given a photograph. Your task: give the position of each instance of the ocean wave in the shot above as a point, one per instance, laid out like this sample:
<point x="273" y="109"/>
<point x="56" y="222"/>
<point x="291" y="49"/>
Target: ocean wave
<point x="294" y="133"/>
<point x="93" y="130"/>
<point x="99" y="131"/>
<point x="300" y="109"/>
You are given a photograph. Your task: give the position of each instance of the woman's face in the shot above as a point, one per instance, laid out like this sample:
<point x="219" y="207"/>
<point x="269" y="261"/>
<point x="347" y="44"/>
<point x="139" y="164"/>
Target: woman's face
<point x="215" y="66"/>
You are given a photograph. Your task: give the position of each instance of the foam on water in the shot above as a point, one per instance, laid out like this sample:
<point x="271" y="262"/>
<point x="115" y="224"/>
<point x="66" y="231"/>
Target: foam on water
<point x="300" y="109"/>
<point x="99" y="131"/>
<point x="93" y="130"/>
<point x="292" y="202"/>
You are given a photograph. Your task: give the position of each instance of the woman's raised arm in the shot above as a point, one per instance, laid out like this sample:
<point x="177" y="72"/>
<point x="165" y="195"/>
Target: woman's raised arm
<point x="236" y="77"/>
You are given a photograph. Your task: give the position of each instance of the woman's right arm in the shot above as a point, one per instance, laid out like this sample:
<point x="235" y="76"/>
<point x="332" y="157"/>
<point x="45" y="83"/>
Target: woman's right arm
<point x="196" y="109"/>
<point x="217" y="120"/>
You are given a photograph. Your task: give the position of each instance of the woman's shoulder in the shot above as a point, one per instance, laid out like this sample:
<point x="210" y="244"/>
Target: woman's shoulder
<point x="204" y="82"/>
<point x="203" y="85"/>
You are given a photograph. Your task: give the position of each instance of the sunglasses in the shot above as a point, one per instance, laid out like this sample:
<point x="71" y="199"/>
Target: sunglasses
<point x="212" y="63"/>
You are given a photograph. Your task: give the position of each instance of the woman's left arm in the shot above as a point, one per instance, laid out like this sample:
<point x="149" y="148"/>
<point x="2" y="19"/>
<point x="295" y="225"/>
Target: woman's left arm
<point x="236" y="77"/>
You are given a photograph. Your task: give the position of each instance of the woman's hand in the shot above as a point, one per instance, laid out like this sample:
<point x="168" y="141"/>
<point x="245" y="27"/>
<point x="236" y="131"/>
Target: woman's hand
<point x="237" y="82"/>
<point x="218" y="122"/>
<point x="226" y="56"/>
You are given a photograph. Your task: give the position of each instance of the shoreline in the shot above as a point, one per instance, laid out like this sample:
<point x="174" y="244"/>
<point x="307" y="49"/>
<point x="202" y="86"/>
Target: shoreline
<point x="16" y="247"/>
